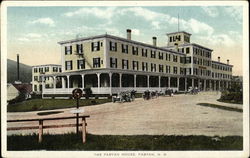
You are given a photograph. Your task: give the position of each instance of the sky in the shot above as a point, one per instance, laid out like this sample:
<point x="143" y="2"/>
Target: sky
<point x="34" y="32"/>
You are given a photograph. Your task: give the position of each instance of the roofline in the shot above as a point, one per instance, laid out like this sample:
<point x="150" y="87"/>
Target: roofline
<point x="47" y="65"/>
<point x="187" y="44"/>
<point x="178" y="32"/>
<point x="221" y="63"/>
<point x="121" y="39"/>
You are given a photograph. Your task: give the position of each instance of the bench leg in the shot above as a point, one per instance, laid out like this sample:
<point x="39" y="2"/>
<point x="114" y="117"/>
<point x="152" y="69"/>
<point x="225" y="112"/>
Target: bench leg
<point x="40" y="133"/>
<point x="83" y="130"/>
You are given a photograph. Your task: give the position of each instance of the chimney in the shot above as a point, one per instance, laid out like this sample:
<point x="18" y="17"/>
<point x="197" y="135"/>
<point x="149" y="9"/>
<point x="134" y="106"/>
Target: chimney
<point x="18" y="79"/>
<point x="154" y="41"/>
<point x="128" y="34"/>
<point x="218" y="59"/>
<point x="227" y="61"/>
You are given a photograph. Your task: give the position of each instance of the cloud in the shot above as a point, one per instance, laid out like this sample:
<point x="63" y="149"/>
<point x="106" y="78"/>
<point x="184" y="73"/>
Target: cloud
<point x="46" y="21"/>
<point x="106" y="13"/>
<point x="28" y="37"/>
<point x="23" y="39"/>
<point x="211" y="11"/>
<point x="235" y="12"/>
<point x="197" y="27"/>
<point x="136" y="32"/>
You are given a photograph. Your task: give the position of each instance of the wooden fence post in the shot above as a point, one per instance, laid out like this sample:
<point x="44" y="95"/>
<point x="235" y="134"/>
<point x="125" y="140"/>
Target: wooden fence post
<point x="40" y="132"/>
<point x="83" y="130"/>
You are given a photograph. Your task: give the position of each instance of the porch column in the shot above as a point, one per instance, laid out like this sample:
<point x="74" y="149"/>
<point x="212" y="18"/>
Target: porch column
<point x="169" y="82"/>
<point x="120" y="78"/>
<point x="159" y="78"/>
<point x="178" y="83"/>
<point x="148" y="81"/>
<point x="43" y="83"/>
<point x="198" y="80"/>
<point x="68" y="82"/>
<point x="205" y="86"/>
<point x="83" y="86"/>
<point x="98" y="82"/>
<point x="215" y="85"/>
<point x="210" y="85"/>
<point x="54" y="84"/>
<point x="134" y="81"/>
<point x="185" y="84"/>
<point x="226" y="84"/>
<point x="192" y="83"/>
<point x="63" y="83"/>
<point x="110" y="83"/>
<point x="219" y="85"/>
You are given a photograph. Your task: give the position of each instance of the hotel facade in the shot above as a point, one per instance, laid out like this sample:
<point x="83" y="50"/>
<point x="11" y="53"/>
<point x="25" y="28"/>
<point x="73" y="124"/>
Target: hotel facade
<point x="109" y="64"/>
<point x="37" y="78"/>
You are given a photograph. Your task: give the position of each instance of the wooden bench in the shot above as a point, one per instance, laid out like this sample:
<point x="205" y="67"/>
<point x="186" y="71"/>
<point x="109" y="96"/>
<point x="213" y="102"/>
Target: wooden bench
<point x="40" y="126"/>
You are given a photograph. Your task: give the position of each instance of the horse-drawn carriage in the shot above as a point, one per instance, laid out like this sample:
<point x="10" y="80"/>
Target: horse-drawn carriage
<point x="126" y="96"/>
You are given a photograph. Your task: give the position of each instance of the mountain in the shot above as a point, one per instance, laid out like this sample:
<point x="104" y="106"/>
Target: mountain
<point x="25" y="72"/>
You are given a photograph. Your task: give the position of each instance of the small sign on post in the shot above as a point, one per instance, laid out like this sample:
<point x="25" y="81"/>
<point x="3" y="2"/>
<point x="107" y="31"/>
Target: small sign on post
<point x="77" y="94"/>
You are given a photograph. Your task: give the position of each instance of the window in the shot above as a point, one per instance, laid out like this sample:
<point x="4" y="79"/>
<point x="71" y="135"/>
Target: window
<point x="168" y="56"/>
<point x="55" y="69"/>
<point x="168" y="69"/>
<point x="175" y="58"/>
<point x="35" y="69"/>
<point x="79" y="49"/>
<point x="188" y="71"/>
<point x="188" y="60"/>
<point x="194" y="60"/>
<point x="113" y="62"/>
<point x="81" y="64"/>
<point x="95" y="46"/>
<point x="153" y="67"/>
<point x="124" y="48"/>
<point x="135" y="65"/>
<point x="160" y="68"/>
<point x="68" y="65"/>
<point x="182" y="60"/>
<point x="41" y="70"/>
<point x="68" y="50"/>
<point x="170" y="39"/>
<point x="152" y="54"/>
<point x="182" y="71"/>
<point x="144" y="66"/>
<point x="60" y="69"/>
<point x="35" y="78"/>
<point x="46" y="69"/>
<point x="175" y="70"/>
<point x="35" y="87"/>
<point x="135" y="50"/>
<point x="113" y="46"/>
<point x="96" y="62"/>
<point x="161" y="55"/>
<point x="144" y="52"/>
<point x="187" y="51"/>
<point x="124" y="64"/>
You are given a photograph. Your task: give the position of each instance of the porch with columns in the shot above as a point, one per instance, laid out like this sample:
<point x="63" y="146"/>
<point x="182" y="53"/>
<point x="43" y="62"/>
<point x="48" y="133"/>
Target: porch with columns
<point x="113" y="82"/>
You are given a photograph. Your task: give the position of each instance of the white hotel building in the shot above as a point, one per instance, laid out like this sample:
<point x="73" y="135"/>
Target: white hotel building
<point x="110" y="64"/>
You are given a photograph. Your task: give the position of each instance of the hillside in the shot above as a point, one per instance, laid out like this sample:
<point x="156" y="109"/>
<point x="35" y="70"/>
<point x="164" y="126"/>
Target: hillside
<point x="25" y="72"/>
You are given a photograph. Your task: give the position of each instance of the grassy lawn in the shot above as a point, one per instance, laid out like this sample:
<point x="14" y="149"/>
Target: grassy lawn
<point x="50" y="104"/>
<point x="220" y="107"/>
<point x="136" y="142"/>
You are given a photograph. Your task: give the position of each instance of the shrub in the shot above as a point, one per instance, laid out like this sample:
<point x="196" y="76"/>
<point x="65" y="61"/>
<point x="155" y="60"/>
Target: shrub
<point x="87" y="92"/>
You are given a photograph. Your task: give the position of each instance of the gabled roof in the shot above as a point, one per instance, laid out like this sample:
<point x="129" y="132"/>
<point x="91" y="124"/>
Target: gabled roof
<point x="23" y="87"/>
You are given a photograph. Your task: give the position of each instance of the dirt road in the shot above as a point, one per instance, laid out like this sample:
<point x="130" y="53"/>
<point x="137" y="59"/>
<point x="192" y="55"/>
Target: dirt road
<point x="178" y="115"/>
